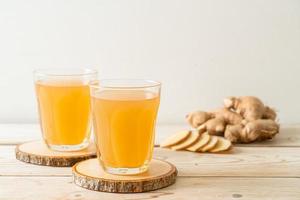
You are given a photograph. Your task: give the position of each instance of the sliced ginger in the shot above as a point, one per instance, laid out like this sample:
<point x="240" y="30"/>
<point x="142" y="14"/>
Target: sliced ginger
<point x="196" y="142"/>
<point x="193" y="137"/>
<point x="222" y="145"/>
<point x="203" y="140"/>
<point x="177" y="138"/>
<point x="210" y="145"/>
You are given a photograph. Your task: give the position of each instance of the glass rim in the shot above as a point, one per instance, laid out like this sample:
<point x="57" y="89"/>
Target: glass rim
<point x="58" y="72"/>
<point x="144" y="83"/>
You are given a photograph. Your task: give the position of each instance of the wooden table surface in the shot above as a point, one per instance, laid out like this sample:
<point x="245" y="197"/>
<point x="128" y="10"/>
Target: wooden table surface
<point x="268" y="170"/>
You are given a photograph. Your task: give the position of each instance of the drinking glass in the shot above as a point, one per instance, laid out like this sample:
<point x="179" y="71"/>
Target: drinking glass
<point x="124" y="116"/>
<point x="63" y="98"/>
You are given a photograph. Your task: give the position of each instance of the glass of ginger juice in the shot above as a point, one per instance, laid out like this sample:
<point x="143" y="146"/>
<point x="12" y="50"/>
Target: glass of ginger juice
<point x="124" y="116"/>
<point x="63" y="98"/>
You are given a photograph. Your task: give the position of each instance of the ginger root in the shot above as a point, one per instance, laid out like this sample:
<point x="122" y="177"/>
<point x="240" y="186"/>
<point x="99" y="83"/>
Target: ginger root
<point x="229" y="116"/>
<point x="250" y="108"/>
<point x="215" y="126"/>
<point x="269" y="113"/>
<point x="242" y="120"/>
<point x="197" y="118"/>
<point x="258" y="130"/>
<point x="213" y="122"/>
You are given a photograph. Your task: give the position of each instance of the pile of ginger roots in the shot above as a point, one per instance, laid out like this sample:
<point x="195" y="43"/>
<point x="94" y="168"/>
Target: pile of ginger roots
<point x="242" y="120"/>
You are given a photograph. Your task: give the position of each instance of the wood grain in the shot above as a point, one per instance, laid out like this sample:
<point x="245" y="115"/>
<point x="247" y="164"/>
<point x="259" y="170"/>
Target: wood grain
<point x="239" y="161"/>
<point x="192" y="188"/>
<point x="243" y="161"/>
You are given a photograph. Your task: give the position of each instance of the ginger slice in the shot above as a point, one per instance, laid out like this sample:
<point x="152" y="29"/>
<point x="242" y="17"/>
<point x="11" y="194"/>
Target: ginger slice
<point x="187" y="143"/>
<point x="176" y="138"/>
<point x="211" y="144"/>
<point x="202" y="140"/>
<point x="222" y="145"/>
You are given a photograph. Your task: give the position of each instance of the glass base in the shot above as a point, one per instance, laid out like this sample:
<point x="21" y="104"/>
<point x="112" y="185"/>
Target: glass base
<point x="76" y="147"/>
<point x="126" y="171"/>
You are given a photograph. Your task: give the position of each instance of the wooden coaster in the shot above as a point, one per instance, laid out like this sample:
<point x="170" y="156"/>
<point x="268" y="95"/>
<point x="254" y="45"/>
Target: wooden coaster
<point x="37" y="152"/>
<point x="89" y="174"/>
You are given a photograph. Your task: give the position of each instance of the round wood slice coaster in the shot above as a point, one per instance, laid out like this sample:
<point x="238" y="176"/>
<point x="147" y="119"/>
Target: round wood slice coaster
<point x="37" y="152"/>
<point x="90" y="175"/>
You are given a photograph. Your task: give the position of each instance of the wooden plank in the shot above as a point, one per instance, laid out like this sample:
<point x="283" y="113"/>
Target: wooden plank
<point x="13" y="134"/>
<point x="203" y="188"/>
<point x="243" y="161"/>
<point x="18" y="133"/>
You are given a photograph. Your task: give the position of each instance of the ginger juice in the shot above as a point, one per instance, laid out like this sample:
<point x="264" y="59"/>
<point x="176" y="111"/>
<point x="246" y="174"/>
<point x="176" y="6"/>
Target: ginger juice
<point x="63" y="97"/>
<point x="124" y="123"/>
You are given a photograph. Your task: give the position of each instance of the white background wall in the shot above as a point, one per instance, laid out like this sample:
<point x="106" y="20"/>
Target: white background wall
<point x="201" y="50"/>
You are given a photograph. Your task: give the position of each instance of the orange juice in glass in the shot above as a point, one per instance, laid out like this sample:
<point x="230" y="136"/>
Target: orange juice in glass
<point x="64" y="107"/>
<point x="124" y="115"/>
